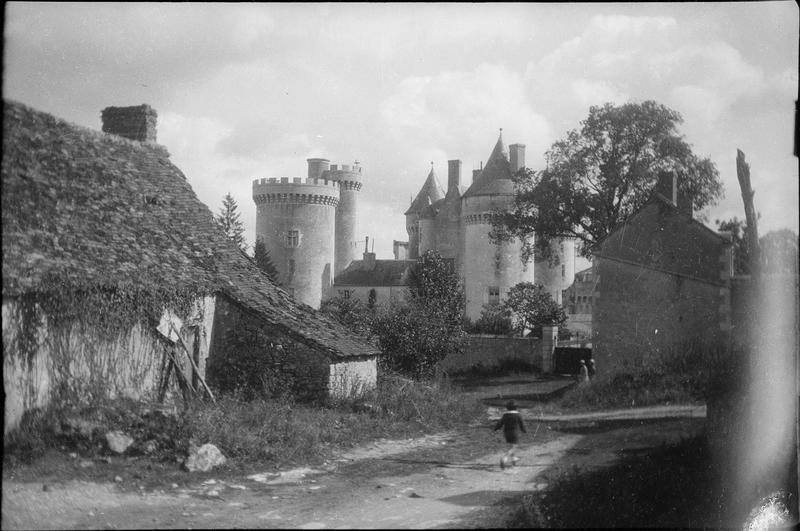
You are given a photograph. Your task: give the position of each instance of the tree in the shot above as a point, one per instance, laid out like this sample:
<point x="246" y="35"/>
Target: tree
<point x="495" y="319"/>
<point x="228" y="219"/>
<point x="263" y="260"/>
<point x="533" y="307"/>
<point x="598" y="176"/>
<point x="350" y="312"/>
<point x="415" y="335"/>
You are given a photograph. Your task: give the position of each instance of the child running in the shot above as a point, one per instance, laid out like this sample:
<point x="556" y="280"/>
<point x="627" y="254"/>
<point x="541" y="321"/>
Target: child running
<point x="512" y="424"/>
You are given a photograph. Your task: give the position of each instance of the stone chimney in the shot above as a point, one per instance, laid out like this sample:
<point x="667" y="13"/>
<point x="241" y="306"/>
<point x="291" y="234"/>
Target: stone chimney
<point x="400" y="250"/>
<point x="135" y="123"/>
<point x="516" y="156"/>
<point x="475" y="174"/>
<point x="453" y="175"/>
<point x="667" y="188"/>
<point x="369" y="258"/>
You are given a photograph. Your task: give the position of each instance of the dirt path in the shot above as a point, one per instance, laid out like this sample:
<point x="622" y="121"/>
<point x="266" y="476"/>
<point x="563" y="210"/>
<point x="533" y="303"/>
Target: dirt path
<point x="449" y="479"/>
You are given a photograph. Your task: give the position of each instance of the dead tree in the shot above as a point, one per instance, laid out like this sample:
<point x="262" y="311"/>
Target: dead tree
<point x="743" y="173"/>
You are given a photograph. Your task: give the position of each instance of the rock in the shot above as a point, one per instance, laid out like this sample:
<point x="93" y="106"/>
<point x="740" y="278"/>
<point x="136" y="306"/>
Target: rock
<point x="213" y="493"/>
<point x="204" y="458"/>
<point x="117" y="479"/>
<point x="86" y="464"/>
<point x="118" y="442"/>
<point x="174" y="485"/>
<point x="150" y="447"/>
<point x="73" y="455"/>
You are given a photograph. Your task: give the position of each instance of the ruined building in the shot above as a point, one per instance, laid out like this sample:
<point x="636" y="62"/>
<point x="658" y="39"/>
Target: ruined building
<point x="309" y="227"/>
<point x="457" y="222"/>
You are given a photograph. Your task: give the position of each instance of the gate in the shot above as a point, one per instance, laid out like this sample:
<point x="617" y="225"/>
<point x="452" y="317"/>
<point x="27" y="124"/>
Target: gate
<point x="568" y="360"/>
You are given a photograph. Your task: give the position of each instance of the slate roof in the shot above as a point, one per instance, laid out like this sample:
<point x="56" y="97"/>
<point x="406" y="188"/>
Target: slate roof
<point x="94" y="209"/>
<point x="495" y="178"/>
<point x="430" y="193"/>
<point x="385" y="273"/>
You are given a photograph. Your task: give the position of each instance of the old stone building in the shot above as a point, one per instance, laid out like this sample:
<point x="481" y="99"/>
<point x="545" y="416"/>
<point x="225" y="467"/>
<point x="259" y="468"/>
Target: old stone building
<point x="663" y="280"/>
<point x="457" y="222"/>
<point x="103" y="239"/>
<point x="577" y="301"/>
<point x="309" y="226"/>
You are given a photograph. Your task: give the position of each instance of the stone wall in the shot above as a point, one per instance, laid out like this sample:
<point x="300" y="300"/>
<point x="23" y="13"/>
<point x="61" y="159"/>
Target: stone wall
<point x="352" y="378"/>
<point x="489" y="351"/>
<point x="641" y="312"/>
<point x="288" y="364"/>
<point x="136" y="123"/>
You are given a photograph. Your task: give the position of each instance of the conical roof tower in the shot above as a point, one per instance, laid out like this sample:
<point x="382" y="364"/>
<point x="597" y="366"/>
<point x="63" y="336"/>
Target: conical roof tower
<point x="430" y="192"/>
<point x="495" y="178"/>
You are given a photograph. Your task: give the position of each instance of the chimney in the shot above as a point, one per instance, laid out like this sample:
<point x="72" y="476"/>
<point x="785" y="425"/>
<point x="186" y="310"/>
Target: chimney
<point x="135" y="123"/>
<point x="369" y="258"/>
<point x="400" y="250"/>
<point x="517" y="156"/>
<point x="316" y="167"/>
<point x="475" y="174"/>
<point x="667" y="188"/>
<point x="453" y="175"/>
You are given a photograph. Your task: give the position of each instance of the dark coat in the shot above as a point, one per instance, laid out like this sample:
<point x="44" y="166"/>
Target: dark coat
<point x="512" y="424"/>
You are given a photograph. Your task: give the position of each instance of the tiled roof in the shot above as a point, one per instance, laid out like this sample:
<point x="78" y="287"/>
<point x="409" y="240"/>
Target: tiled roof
<point x="430" y="192"/>
<point x="495" y="178"/>
<point x="93" y="209"/>
<point x="385" y="273"/>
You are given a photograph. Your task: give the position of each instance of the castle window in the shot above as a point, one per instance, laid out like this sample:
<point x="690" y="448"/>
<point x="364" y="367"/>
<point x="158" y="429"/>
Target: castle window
<point x="494" y="295"/>
<point x="291" y="268"/>
<point x="563" y="271"/>
<point x="345" y="293"/>
<point x="293" y="238"/>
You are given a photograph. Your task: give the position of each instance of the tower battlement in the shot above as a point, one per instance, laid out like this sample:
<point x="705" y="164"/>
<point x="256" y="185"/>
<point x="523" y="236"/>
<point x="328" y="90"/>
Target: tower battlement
<point x="296" y="190"/>
<point x="349" y="176"/>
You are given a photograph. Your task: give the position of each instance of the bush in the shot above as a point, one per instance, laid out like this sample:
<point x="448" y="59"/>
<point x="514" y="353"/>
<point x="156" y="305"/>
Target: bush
<point x="494" y="319"/>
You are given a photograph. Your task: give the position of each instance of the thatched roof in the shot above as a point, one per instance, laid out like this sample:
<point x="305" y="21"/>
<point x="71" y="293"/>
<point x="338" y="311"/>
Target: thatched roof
<point x="88" y="209"/>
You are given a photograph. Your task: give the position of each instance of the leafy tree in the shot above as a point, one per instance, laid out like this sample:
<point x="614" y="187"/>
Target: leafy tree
<point x="263" y="260"/>
<point x="494" y="319"/>
<point x="779" y="252"/>
<point x="532" y="306"/>
<point x="228" y="219"/>
<point x="415" y="335"/>
<point x="600" y="174"/>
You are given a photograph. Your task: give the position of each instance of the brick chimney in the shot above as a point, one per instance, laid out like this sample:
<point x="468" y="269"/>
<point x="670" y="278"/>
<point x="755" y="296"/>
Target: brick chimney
<point x="135" y="123"/>
<point x="667" y="188"/>
<point x="516" y="156"/>
<point x="453" y="176"/>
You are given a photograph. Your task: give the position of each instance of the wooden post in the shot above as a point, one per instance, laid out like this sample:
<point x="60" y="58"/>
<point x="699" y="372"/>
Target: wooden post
<point x="194" y="366"/>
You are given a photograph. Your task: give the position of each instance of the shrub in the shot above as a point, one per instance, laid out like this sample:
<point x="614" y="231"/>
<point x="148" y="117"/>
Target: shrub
<point x="494" y="319"/>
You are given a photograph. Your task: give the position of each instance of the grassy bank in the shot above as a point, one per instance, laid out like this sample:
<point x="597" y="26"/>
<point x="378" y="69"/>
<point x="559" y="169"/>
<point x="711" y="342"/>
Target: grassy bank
<point x="278" y="430"/>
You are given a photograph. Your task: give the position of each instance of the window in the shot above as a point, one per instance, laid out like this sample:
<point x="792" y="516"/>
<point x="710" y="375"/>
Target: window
<point x="494" y="295"/>
<point x="293" y="238"/>
<point x="345" y="293"/>
<point x="291" y="268"/>
<point x="563" y="270"/>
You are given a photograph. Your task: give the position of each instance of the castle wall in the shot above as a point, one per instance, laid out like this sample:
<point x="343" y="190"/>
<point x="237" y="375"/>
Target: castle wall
<point x="557" y="276"/>
<point x="412" y="229"/>
<point x="427" y="235"/>
<point x="308" y="210"/>
<point x="346" y="229"/>
<point x="447" y="227"/>
<point x="486" y="265"/>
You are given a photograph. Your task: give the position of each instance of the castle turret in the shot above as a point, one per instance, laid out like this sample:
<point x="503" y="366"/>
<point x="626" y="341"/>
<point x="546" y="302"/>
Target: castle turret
<point x="430" y="193"/>
<point x="296" y="222"/>
<point x="350" y="181"/>
<point x="489" y="270"/>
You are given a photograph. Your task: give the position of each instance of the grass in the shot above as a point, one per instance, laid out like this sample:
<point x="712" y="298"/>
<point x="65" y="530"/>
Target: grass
<point x="672" y="487"/>
<point x="277" y="430"/>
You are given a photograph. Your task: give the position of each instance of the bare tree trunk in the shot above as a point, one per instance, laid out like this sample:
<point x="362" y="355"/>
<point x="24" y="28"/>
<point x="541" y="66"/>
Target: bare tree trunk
<point x="743" y="173"/>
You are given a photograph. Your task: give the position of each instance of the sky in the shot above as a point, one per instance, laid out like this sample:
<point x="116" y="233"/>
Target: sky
<point x="250" y="91"/>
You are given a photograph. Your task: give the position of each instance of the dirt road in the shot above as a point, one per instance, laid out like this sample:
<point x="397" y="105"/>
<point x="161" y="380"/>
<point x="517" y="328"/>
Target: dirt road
<point x="450" y="479"/>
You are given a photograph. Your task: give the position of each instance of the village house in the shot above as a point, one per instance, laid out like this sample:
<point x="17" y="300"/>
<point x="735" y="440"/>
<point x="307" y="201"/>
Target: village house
<point x="108" y="256"/>
<point x="663" y="281"/>
<point x="578" y="304"/>
<point x="374" y="281"/>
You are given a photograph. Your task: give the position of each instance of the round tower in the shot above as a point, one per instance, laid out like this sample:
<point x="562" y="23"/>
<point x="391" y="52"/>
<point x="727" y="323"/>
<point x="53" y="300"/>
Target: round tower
<point x="488" y="269"/>
<point x="430" y="193"/>
<point x="427" y="228"/>
<point x="557" y="274"/>
<point x="296" y="222"/>
<point x="349" y="180"/>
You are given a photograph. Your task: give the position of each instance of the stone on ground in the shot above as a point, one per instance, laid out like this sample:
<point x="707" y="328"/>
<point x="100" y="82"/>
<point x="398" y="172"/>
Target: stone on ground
<point x="204" y="458"/>
<point x="118" y="442"/>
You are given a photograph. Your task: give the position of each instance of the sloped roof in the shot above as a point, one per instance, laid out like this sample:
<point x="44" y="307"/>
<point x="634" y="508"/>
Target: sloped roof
<point x="430" y="192"/>
<point x="93" y="209"/>
<point x="661" y="236"/>
<point x="495" y="178"/>
<point x="385" y="273"/>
